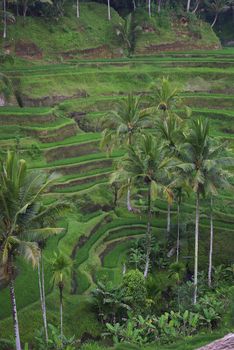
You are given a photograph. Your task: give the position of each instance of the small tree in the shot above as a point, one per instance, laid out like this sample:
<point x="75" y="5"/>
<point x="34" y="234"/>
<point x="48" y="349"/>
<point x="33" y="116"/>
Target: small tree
<point x="61" y="268"/>
<point x="128" y="33"/>
<point x="135" y="289"/>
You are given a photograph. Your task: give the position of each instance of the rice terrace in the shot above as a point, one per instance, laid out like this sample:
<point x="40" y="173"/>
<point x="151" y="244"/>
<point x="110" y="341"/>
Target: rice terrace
<point x="117" y="175"/>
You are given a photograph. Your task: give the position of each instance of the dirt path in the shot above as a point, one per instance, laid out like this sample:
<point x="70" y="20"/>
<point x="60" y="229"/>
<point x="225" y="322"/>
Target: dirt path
<point x="226" y="343"/>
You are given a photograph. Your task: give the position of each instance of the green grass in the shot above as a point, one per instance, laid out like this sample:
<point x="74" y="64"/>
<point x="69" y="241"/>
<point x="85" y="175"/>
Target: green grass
<point x="91" y="30"/>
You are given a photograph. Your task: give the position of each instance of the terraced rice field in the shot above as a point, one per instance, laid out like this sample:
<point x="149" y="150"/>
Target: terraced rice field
<point x="61" y="132"/>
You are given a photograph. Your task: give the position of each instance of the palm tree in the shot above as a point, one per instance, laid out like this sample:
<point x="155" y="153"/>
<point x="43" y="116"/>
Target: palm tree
<point x="47" y="216"/>
<point x="197" y="155"/>
<point x="109" y="10"/>
<point x="149" y="7"/>
<point x="20" y="191"/>
<point x="146" y="164"/>
<point x="128" y="32"/>
<point x="159" y="5"/>
<point x="216" y="7"/>
<point x="188" y="5"/>
<point x="61" y="268"/>
<point x="170" y="132"/>
<point x="121" y="127"/>
<point x="166" y="97"/>
<point x="77" y="8"/>
<point x="216" y="178"/>
<point x="7" y="16"/>
<point x="180" y="193"/>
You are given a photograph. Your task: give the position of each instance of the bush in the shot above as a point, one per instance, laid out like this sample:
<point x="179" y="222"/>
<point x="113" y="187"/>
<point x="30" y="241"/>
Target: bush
<point x="135" y="289"/>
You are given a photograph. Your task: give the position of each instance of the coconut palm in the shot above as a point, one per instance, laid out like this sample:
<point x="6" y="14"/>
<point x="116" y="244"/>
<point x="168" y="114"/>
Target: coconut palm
<point x="109" y="10"/>
<point x="77" y="8"/>
<point x="121" y="127"/>
<point x="7" y="17"/>
<point x="216" y="7"/>
<point x="166" y="97"/>
<point x="217" y="177"/>
<point x="20" y="191"/>
<point x="179" y="193"/>
<point x="8" y="87"/>
<point x="198" y="155"/>
<point x="61" y="269"/>
<point x="188" y="5"/>
<point x="47" y="216"/>
<point x="146" y="164"/>
<point x="149" y="8"/>
<point x="128" y="33"/>
<point x="170" y="132"/>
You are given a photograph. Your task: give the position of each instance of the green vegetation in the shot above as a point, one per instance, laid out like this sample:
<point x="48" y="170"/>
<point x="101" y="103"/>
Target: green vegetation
<point x="120" y="217"/>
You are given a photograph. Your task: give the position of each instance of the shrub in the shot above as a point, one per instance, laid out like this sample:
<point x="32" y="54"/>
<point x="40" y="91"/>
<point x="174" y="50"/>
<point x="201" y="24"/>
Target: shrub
<point x="135" y="289"/>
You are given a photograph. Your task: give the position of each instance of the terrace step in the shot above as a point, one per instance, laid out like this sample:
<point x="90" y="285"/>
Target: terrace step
<point x="70" y="151"/>
<point x="82" y="167"/>
<point x="25" y="117"/>
<point x="53" y="134"/>
<point x="80" y="181"/>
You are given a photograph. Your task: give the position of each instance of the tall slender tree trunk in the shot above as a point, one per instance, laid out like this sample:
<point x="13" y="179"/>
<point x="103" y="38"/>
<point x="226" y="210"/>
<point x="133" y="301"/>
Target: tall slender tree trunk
<point x="14" y="313"/>
<point x="188" y="5"/>
<point x="148" y="236"/>
<point x="196" y="7"/>
<point x="149" y="7"/>
<point x="134" y="5"/>
<point x="24" y="13"/>
<point x="41" y="282"/>
<point x="61" y="307"/>
<point x="129" y="206"/>
<point x="215" y="20"/>
<point x="109" y="10"/>
<point x="178" y="233"/>
<point x="17" y="8"/>
<point x="77" y="8"/>
<point x="211" y="243"/>
<point x="159" y="5"/>
<point x="4" y="20"/>
<point x="196" y="248"/>
<point x="168" y="221"/>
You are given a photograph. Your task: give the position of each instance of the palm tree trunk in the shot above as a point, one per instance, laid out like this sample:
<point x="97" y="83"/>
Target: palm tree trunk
<point x="148" y="236"/>
<point x="168" y="221"/>
<point x="188" y="5"/>
<point x="159" y="5"/>
<point x="43" y="298"/>
<point x="61" y="307"/>
<point x="4" y="20"/>
<point x="178" y="233"/>
<point x="17" y="8"/>
<point x="109" y="10"/>
<point x="196" y="7"/>
<point x="196" y="248"/>
<point x="129" y="206"/>
<point x="24" y="13"/>
<point x="215" y="20"/>
<point x="14" y="314"/>
<point x="77" y="9"/>
<point x="149" y="7"/>
<point x="211" y="243"/>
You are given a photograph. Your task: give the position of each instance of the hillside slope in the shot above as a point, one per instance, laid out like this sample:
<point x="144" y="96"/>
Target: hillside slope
<point x="93" y="36"/>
